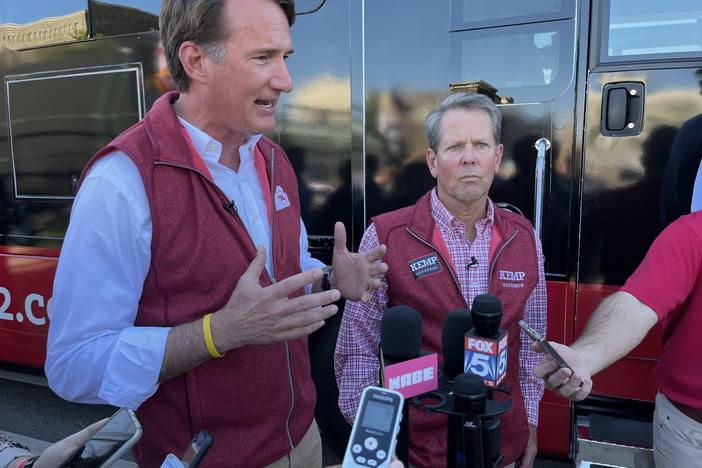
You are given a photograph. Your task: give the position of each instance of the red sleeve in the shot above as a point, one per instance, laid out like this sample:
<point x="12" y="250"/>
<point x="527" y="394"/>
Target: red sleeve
<point x="666" y="277"/>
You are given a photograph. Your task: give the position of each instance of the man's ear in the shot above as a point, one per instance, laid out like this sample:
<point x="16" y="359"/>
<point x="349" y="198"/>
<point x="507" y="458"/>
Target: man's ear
<point x="498" y="157"/>
<point x="431" y="162"/>
<point x="192" y="57"/>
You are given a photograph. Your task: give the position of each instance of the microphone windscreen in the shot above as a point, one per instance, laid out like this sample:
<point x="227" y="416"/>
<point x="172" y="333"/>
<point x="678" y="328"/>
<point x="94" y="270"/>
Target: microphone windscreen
<point x="401" y="333"/>
<point x="469" y="394"/>
<point x="486" y="313"/>
<point x="456" y="324"/>
<point x="469" y="385"/>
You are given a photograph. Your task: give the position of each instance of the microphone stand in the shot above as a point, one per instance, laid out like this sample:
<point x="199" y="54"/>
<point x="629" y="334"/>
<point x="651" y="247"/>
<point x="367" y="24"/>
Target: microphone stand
<point x="479" y="434"/>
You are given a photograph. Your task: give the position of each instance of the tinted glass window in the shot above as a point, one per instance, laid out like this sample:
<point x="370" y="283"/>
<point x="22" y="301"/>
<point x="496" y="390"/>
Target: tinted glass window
<point x="35" y="23"/>
<point x="116" y="17"/>
<point x="526" y="63"/>
<point x="58" y="120"/>
<point x="467" y="14"/>
<point x="635" y="29"/>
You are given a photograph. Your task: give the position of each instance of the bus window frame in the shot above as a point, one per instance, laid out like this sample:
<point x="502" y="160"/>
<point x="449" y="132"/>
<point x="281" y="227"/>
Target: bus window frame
<point x="600" y="31"/>
<point x="536" y="93"/>
<point x="458" y="24"/>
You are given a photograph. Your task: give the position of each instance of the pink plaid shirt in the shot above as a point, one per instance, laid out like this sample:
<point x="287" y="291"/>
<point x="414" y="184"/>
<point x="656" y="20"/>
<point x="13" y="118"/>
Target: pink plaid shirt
<point x="356" y="361"/>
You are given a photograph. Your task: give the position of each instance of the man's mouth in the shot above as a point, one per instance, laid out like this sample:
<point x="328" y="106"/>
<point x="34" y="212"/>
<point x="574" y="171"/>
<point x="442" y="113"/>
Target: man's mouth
<point x="265" y="103"/>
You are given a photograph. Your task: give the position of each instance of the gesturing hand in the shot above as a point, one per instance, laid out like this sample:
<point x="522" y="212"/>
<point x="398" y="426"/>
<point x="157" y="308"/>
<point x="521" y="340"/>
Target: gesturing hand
<point x="355" y="274"/>
<point x="255" y="315"/>
<point x="574" y="385"/>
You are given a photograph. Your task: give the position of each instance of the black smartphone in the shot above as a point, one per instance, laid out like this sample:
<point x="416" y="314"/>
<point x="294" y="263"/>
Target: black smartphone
<point x="109" y="443"/>
<point x="536" y="336"/>
<point x="197" y="449"/>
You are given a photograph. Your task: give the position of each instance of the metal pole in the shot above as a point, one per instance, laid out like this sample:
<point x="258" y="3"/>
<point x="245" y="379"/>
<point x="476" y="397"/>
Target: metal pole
<point x="542" y="144"/>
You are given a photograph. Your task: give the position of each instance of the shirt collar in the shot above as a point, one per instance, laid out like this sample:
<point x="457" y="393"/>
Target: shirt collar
<point x="211" y="149"/>
<point x="447" y="223"/>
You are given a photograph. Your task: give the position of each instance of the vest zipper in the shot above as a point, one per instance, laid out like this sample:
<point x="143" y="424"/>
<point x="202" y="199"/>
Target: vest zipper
<point x="448" y="264"/>
<point x="499" y="250"/>
<point x="288" y="430"/>
<point x="235" y="213"/>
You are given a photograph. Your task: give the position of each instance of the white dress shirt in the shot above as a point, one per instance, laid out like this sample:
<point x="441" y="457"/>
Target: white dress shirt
<point x="95" y="353"/>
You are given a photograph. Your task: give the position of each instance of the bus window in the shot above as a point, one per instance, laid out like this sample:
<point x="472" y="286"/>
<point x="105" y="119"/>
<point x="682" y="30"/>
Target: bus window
<point x="528" y="63"/>
<point x="641" y="30"/>
<point x="57" y="120"/>
<point x="34" y="23"/>
<point x="116" y="17"/>
<point x="470" y="14"/>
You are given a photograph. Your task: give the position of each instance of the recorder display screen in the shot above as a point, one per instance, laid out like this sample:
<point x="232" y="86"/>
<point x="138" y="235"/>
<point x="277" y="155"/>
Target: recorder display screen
<point x="378" y="416"/>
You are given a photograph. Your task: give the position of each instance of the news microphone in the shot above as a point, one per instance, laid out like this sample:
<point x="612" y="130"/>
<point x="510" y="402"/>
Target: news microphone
<point x="486" y="343"/>
<point x="469" y="398"/>
<point x="456" y="324"/>
<point x="404" y="367"/>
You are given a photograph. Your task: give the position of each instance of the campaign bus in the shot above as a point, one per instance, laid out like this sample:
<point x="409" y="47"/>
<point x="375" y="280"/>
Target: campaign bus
<point x="603" y="86"/>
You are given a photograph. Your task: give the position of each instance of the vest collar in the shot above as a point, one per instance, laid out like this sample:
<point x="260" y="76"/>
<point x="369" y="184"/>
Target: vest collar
<point x="423" y="225"/>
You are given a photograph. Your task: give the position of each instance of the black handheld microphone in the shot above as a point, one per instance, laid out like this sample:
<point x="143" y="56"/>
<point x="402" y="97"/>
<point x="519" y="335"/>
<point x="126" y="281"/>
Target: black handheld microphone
<point x="470" y="398"/>
<point x="400" y="334"/>
<point x="486" y="343"/>
<point x="400" y="340"/>
<point x="456" y="324"/>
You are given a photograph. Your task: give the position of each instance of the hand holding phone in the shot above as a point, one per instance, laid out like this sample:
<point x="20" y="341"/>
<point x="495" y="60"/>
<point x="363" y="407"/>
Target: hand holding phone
<point x="536" y="336"/>
<point x="374" y="434"/>
<point x="109" y="443"/>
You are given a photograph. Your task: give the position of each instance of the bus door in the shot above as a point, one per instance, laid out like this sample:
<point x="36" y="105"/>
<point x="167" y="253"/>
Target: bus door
<point x="644" y="85"/>
<point x="526" y="52"/>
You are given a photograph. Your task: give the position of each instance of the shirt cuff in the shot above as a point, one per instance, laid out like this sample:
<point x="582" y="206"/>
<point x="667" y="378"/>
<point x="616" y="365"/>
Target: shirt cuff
<point x="532" y="411"/>
<point x="134" y="366"/>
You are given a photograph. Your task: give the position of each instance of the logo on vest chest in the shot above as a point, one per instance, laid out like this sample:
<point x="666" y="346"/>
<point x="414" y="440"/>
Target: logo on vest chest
<point x="512" y="279"/>
<point x="424" y="266"/>
<point x="281" y="198"/>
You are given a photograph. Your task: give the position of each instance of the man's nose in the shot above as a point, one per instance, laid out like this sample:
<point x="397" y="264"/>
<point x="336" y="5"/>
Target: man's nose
<point x="469" y="156"/>
<point x="281" y="80"/>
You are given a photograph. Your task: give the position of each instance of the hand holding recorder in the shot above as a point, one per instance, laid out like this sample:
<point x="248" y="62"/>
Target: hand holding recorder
<point x="563" y="370"/>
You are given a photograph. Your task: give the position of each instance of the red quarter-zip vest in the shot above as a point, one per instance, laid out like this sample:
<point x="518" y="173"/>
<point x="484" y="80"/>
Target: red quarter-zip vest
<point x="408" y="234"/>
<point x="257" y="401"/>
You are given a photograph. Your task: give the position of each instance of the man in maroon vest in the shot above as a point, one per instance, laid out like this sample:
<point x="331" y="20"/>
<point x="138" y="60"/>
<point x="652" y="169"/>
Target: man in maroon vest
<point x="474" y="248"/>
<point x="181" y="285"/>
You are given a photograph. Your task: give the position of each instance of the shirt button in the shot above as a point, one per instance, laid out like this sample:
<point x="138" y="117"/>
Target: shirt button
<point x="475" y="285"/>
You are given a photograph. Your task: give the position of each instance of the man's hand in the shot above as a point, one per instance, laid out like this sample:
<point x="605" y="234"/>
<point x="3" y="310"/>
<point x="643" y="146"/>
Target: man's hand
<point x="255" y="315"/>
<point x="58" y="453"/>
<point x="574" y="385"/>
<point x="527" y="460"/>
<point x="355" y="274"/>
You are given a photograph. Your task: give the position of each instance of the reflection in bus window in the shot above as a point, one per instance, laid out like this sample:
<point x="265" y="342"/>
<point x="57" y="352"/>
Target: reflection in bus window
<point x="651" y="28"/>
<point x="527" y="63"/>
<point x="467" y="14"/>
<point x="34" y="23"/>
<point x="116" y="17"/>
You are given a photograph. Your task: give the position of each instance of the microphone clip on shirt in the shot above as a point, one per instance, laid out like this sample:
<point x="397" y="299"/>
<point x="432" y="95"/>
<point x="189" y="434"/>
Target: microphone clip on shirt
<point x="473" y="262"/>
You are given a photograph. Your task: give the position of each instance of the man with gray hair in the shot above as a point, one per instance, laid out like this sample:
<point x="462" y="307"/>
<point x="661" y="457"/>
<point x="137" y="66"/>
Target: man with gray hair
<point x="469" y="242"/>
<point x="185" y="287"/>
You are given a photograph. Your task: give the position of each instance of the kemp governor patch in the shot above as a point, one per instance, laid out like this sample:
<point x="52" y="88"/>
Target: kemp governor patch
<point x="424" y="266"/>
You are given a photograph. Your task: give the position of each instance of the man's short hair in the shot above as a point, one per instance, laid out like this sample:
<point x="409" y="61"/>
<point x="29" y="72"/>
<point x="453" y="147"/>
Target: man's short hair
<point x="198" y="21"/>
<point x="467" y="102"/>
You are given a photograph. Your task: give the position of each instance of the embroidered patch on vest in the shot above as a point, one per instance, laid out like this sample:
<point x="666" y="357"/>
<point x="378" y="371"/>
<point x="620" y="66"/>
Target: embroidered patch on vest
<point x="512" y="279"/>
<point x="424" y="266"/>
<point x="281" y="198"/>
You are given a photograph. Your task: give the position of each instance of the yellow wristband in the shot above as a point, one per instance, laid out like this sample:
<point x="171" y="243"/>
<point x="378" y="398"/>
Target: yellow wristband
<point x="209" y="341"/>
